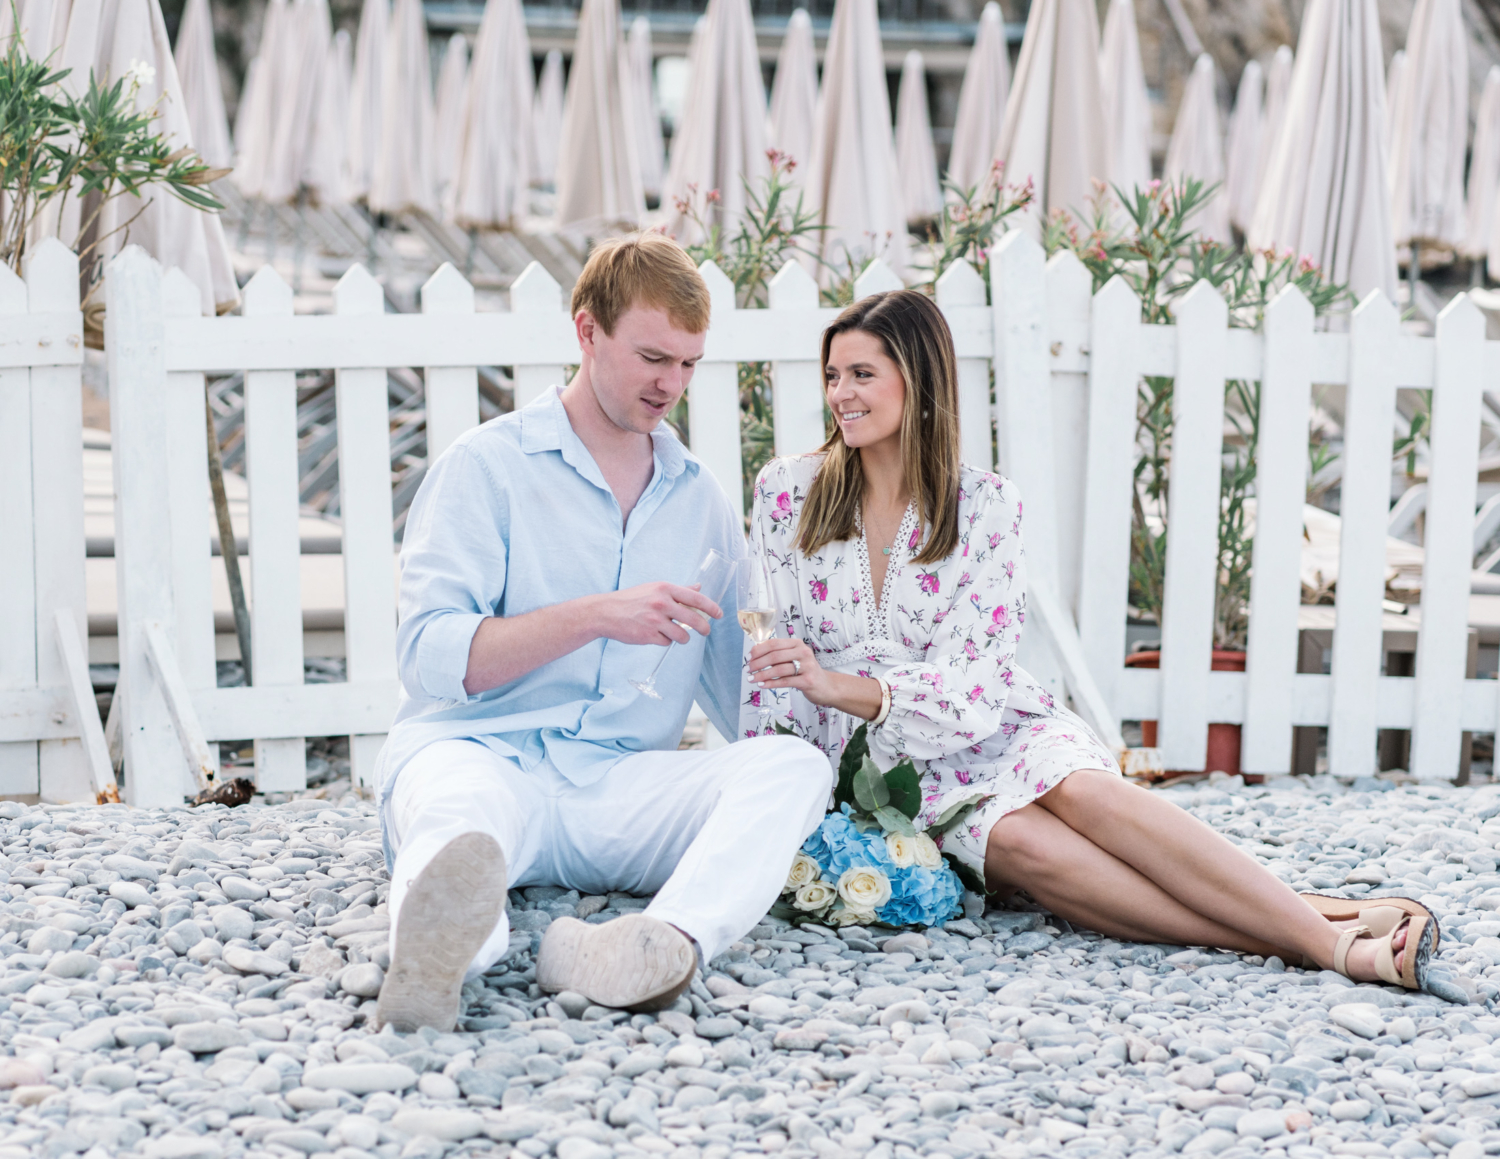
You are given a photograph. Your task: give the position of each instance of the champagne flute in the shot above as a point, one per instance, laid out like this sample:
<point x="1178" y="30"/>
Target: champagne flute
<point x="712" y="579"/>
<point x="757" y="612"/>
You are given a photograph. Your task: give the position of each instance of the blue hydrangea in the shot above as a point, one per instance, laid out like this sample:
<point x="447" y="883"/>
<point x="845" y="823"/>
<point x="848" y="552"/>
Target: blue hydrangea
<point x="919" y="897"/>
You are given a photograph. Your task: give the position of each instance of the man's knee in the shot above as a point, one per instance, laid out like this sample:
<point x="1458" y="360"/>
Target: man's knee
<point x="794" y="767"/>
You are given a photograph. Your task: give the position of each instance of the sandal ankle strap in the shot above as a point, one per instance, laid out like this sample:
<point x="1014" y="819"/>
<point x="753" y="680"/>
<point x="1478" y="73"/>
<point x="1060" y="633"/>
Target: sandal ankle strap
<point x="1341" y="947"/>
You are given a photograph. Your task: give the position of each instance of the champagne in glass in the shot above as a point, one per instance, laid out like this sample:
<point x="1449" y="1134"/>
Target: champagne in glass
<point x="757" y="613"/>
<point x="712" y="580"/>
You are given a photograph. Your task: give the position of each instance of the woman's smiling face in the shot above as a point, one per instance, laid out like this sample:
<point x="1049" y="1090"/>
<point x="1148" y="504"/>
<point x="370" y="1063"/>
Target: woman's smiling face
<point x="865" y="389"/>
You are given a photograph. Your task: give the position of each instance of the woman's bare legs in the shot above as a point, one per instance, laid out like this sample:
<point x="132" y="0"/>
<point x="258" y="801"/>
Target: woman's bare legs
<point x="1118" y="859"/>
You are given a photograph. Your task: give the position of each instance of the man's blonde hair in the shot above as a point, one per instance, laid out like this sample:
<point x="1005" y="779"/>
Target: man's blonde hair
<point x="642" y="269"/>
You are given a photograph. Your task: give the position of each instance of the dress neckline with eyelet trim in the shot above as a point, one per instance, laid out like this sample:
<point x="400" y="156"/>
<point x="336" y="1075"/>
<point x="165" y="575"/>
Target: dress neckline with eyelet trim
<point x="880" y="609"/>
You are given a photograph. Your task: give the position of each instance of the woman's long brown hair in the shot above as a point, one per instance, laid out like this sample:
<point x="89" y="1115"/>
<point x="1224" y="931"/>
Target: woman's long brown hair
<point x="917" y="339"/>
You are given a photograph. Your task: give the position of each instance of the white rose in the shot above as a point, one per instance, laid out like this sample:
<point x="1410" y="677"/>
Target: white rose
<point x="843" y="916"/>
<point x="864" y="889"/>
<point x="928" y="856"/>
<point x="804" y="870"/>
<point x="815" y="895"/>
<point x="902" y="849"/>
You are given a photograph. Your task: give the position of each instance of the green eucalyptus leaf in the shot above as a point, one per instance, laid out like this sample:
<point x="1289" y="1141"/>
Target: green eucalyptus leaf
<point x="958" y="810"/>
<point x="905" y="785"/>
<point x="892" y="820"/>
<point x="782" y="730"/>
<point x="854" y="753"/>
<point x="870" y="792"/>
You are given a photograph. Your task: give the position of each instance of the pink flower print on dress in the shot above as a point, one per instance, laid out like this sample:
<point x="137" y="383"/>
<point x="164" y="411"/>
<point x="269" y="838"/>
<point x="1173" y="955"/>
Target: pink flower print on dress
<point x="826" y="626"/>
<point x="995" y="538"/>
<point x="1041" y="786"/>
<point x="783" y="509"/>
<point x="916" y="538"/>
<point x="976" y="693"/>
<point x="970" y="651"/>
<point x="938" y="617"/>
<point x="962" y="776"/>
<point x="1010" y="569"/>
<point x="755" y="698"/>
<point x="854" y="597"/>
<point x="819" y="589"/>
<point x="963" y="581"/>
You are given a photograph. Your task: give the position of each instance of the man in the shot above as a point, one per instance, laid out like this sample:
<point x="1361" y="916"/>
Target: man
<point x="549" y="556"/>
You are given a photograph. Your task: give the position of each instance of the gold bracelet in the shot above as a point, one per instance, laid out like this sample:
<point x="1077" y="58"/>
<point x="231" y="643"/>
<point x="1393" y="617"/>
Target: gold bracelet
<point x="885" y="702"/>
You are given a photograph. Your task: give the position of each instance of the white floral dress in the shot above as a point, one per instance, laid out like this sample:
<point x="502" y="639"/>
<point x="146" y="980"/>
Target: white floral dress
<point x="943" y="636"/>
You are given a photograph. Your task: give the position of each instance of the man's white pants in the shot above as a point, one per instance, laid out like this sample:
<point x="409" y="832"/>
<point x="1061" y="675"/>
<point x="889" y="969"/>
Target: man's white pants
<point x="712" y="834"/>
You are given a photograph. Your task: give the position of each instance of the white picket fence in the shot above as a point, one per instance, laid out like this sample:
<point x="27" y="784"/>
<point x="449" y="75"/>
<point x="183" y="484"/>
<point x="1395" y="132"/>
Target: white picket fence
<point x="1065" y="368"/>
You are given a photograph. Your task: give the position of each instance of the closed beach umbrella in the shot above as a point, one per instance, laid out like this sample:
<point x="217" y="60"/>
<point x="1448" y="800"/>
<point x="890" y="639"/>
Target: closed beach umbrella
<point x="1484" y="168"/>
<point x="110" y="38"/>
<point x="1127" y="105"/>
<point x="1197" y="149"/>
<point x="1273" y="115"/>
<point x="794" y="91"/>
<point x="404" y="178"/>
<point x="255" y="127"/>
<point x="598" y="169"/>
<point x="305" y="62"/>
<point x="1393" y="74"/>
<point x="1325" y="193"/>
<point x="648" y="136"/>
<point x="44" y="24"/>
<point x="547" y="118"/>
<point x="496" y="151"/>
<point x="854" y="185"/>
<point x="365" y="100"/>
<point x="202" y="94"/>
<point x="981" y="102"/>
<point x="452" y="82"/>
<point x="721" y="141"/>
<point x="1242" y="152"/>
<point x="915" y="156"/>
<point x="1053" y="134"/>
<point x="1431" y="129"/>
<point x="326" y="175"/>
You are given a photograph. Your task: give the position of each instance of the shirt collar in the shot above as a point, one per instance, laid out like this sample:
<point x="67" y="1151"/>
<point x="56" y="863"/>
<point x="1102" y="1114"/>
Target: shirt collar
<point x="545" y="427"/>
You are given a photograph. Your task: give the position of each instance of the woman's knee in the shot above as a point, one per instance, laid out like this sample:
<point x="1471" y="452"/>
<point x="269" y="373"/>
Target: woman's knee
<point x="1084" y="791"/>
<point x="1018" y="844"/>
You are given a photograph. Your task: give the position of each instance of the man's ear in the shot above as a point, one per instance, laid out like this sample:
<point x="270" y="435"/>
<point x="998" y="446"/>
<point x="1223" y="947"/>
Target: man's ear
<point x="586" y="327"/>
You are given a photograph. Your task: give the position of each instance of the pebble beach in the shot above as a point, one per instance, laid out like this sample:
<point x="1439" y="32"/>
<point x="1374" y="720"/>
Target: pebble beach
<point x="200" y="983"/>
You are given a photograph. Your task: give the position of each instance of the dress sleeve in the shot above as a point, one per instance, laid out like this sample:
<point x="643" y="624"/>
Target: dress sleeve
<point x="957" y="695"/>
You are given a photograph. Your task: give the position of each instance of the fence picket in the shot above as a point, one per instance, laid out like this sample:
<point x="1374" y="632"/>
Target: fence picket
<point x="452" y="392"/>
<point x="959" y="286"/>
<point x="1023" y="423"/>
<point x="192" y="531"/>
<point x="1369" y="411"/>
<point x="275" y="545"/>
<point x="796" y="386"/>
<point x="18" y="610"/>
<point x="537" y="295"/>
<point x="57" y="497"/>
<point x="1442" y="636"/>
<point x="134" y="341"/>
<point x="1276" y="565"/>
<point x="1191" y="579"/>
<point x="1069" y="294"/>
<point x="714" y="398"/>
<point x="365" y="504"/>
<point x="1104" y="584"/>
<point x="877" y="278"/>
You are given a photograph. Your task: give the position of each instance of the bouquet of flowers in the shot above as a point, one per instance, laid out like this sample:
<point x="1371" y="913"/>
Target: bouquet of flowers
<point x="866" y="862"/>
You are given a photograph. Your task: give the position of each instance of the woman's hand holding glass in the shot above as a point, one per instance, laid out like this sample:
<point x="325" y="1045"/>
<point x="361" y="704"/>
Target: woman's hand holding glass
<point x="789" y="663"/>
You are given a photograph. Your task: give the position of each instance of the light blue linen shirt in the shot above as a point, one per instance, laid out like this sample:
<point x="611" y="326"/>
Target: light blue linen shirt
<point x="516" y="516"/>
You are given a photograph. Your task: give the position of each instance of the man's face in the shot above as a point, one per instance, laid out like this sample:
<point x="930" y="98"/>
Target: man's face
<point x="640" y="371"/>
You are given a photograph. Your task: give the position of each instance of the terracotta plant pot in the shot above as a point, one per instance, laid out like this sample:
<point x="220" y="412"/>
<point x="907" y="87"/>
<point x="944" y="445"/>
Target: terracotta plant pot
<point x="1223" y="739"/>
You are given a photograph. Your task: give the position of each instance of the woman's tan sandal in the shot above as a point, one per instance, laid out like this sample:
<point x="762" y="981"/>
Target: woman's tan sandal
<point x="1345" y="909"/>
<point x="1382" y="923"/>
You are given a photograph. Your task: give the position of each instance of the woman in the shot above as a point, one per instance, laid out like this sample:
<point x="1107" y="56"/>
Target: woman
<point x="901" y="596"/>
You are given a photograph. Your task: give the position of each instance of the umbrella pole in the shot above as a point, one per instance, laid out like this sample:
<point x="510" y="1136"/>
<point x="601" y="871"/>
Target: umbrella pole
<point x="227" y="546"/>
<point x="270" y="234"/>
<point x="297" y="243"/>
<point x="245" y="219"/>
<point x="370" y="243"/>
<point x="469" y="257"/>
<point x="1414" y="275"/>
